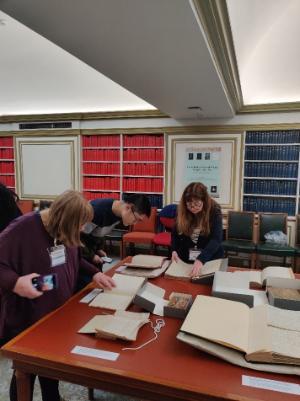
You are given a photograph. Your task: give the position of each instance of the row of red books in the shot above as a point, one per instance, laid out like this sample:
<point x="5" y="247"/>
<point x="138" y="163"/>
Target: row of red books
<point x="143" y="154"/>
<point x="110" y="183"/>
<point x="7" y="167"/>
<point x="7" y="141"/>
<point x="101" y="168"/>
<point x="101" y="140"/>
<point x="8" y="180"/>
<point x="143" y="169"/>
<point x="101" y="154"/>
<point x="143" y="140"/>
<point x="143" y="184"/>
<point x="96" y="195"/>
<point x="6" y="153"/>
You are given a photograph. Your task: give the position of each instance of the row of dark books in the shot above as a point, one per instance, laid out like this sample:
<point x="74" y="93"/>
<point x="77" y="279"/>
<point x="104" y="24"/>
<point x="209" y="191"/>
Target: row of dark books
<point x="95" y="195"/>
<point x="143" y="140"/>
<point x="107" y="183"/>
<point x="143" y="154"/>
<point x="155" y="200"/>
<point x="272" y="152"/>
<point x="143" y="184"/>
<point x="268" y="169"/>
<point x="6" y="153"/>
<point x="274" y="205"/>
<point x="6" y="141"/>
<point x="8" y="180"/>
<point x="101" y="168"/>
<point x="7" y="167"/>
<point x="101" y="140"/>
<point x="143" y="169"/>
<point x="101" y="154"/>
<point x="289" y="136"/>
<point x="270" y="187"/>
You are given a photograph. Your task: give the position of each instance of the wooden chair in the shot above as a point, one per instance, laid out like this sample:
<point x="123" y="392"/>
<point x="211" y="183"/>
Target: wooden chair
<point x="142" y="232"/>
<point x="25" y="205"/>
<point x="240" y="234"/>
<point x="273" y="222"/>
<point x="167" y="219"/>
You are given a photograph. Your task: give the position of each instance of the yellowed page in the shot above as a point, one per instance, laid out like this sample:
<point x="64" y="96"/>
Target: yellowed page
<point x="112" y="301"/>
<point x="284" y="319"/>
<point x="179" y="269"/>
<point x="285" y="342"/>
<point x="259" y="336"/>
<point x="277" y="271"/>
<point x="90" y="326"/>
<point x="211" y="267"/>
<point x="146" y="261"/>
<point x="219" y="320"/>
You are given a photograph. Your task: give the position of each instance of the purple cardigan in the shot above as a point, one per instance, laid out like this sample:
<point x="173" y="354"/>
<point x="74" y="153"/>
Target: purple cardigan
<point x="23" y="250"/>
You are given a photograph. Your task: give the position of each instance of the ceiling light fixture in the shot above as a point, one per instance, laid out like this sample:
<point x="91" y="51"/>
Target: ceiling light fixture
<point x="194" y="108"/>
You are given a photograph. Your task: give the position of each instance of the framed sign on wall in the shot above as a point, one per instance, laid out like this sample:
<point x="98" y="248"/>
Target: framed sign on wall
<point x="46" y="166"/>
<point x="213" y="159"/>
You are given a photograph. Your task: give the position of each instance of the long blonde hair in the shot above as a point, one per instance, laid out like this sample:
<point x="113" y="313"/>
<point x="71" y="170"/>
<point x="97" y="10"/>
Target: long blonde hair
<point x="67" y="214"/>
<point x="188" y="221"/>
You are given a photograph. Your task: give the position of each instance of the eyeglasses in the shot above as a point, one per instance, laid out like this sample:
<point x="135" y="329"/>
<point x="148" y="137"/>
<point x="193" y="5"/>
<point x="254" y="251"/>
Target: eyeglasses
<point x="194" y="204"/>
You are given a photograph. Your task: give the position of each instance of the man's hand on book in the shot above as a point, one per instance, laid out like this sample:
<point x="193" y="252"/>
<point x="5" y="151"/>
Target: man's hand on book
<point x="175" y="257"/>
<point x="196" y="268"/>
<point x="103" y="281"/>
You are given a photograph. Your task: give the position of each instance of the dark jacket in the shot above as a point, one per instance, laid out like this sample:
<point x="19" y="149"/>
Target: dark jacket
<point x="211" y="245"/>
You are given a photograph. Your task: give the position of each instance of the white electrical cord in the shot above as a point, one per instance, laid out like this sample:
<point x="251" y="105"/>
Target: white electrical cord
<point x="159" y="323"/>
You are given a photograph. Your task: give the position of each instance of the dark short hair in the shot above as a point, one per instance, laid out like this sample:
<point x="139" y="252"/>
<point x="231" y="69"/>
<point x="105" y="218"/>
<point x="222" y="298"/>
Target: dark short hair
<point x="140" y="202"/>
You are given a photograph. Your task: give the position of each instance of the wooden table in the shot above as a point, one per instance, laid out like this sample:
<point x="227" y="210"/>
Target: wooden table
<point x="164" y="370"/>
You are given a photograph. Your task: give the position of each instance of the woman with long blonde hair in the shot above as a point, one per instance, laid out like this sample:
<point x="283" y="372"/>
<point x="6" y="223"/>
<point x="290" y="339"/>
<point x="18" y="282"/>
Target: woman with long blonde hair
<point x="198" y="233"/>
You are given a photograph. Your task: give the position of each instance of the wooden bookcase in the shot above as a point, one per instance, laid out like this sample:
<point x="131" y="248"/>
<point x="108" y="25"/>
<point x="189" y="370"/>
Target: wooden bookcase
<point x="7" y="162"/>
<point x="271" y="172"/>
<point x="116" y="165"/>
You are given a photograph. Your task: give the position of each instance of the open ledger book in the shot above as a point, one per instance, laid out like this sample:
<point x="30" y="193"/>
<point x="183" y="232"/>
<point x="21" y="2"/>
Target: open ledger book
<point x="264" y="333"/>
<point x="120" y="296"/>
<point x="260" y="277"/>
<point x="182" y="271"/>
<point x="122" y="324"/>
<point x="146" y="261"/>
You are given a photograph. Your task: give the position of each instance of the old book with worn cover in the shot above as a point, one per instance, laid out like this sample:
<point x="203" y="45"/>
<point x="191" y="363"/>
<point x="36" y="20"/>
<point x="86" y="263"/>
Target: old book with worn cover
<point x="124" y="325"/>
<point x="146" y="261"/>
<point x="120" y="297"/>
<point x="285" y="298"/>
<point x="182" y="271"/>
<point x="263" y="333"/>
<point x="260" y="278"/>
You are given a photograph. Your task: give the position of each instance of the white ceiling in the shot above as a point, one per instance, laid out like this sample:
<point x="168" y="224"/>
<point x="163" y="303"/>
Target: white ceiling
<point x="155" y="49"/>
<point x="266" y="39"/>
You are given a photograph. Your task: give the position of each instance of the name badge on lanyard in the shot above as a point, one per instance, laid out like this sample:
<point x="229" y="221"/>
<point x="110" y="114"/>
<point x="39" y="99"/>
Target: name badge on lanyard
<point x="194" y="253"/>
<point x="57" y="255"/>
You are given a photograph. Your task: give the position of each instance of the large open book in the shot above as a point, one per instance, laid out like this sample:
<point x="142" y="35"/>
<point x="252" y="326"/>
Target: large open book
<point x="264" y="333"/>
<point x="120" y="296"/>
<point x="260" y="277"/>
<point x="122" y="324"/>
<point x="149" y="273"/>
<point x="182" y="271"/>
<point x="146" y="261"/>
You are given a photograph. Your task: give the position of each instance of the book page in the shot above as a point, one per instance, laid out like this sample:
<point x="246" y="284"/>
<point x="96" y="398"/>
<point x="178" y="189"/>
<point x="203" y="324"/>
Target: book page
<point x="112" y="301"/>
<point x="276" y="271"/>
<point x="259" y="337"/>
<point x="125" y="284"/>
<point x="219" y="320"/>
<point x="228" y="280"/>
<point x="146" y="261"/>
<point x="285" y="342"/>
<point x="211" y="267"/>
<point x="179" y="269"/>
<point x="283" y="318"/>
<point x="255" y="277"/>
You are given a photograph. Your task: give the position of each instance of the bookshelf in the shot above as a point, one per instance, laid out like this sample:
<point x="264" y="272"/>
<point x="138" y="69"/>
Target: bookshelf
<point x="7" y="162"/>
<point x="116" y="165"/>
<point x="271" y="171"/>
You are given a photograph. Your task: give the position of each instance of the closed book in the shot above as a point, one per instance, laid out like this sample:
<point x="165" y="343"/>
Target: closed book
<point x="285" y="298"/>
